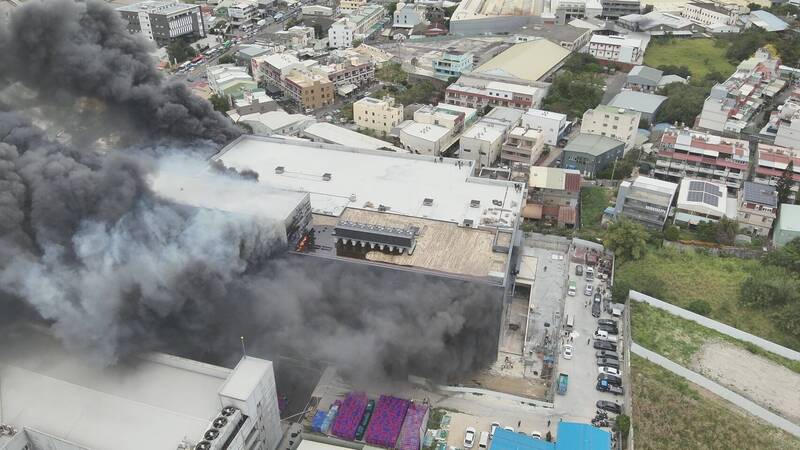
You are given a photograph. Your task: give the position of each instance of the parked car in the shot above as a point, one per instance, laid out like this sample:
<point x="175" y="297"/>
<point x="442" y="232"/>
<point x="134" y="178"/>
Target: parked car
<point x="606" y="362"/>
<point x="589" y="274"/>
<point x="609" y="370"/>
<point x="536" y="434"/>
<point x="495" y="425"/>
<point x="579" y="270"/>
<point x="511" y="429"/>
<point x="607" y="354"/>
<point x="603" y="335"/>
<point x="596" y="309"/>
<point x="610" y="379"/>
<point x="568" y="351"/>
<point x="610" y="329"/>
<point x="615" y="408"/>
<point x="605" y="345"/>
<point x="469" y="437"/>
<point x="589" y="290"/>
<point x="605" y="387"/>
<point x="607" y="322"/>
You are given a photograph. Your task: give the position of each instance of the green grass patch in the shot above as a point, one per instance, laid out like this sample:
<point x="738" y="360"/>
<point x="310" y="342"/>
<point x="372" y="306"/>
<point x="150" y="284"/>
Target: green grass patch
<point x="669" y="412"/>
<point x="701" y="56"/>
<point x="687" y="278"/>
<point x="679" y="339"/>
<point x="593" y="201"/>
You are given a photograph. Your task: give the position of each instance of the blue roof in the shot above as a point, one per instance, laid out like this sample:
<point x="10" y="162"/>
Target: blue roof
<point x="508" y="440"/>
<point x="581" y="436"/>
<point x="767" y="20"/>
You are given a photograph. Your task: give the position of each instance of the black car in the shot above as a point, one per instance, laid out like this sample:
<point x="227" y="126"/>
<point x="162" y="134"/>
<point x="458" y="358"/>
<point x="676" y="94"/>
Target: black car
<point x="605" y="345"/>
<point x="607" y="354"/>
<point x="608" y="362"/>
<point x="615" y="408"/>
<point x="603" y="386"/>
<point x="607" y="322"/>
<point x="607" y="328"/>
<point x="596" y="309"/>
<point x="610" y="379"/>
<point x="579" y="270"/>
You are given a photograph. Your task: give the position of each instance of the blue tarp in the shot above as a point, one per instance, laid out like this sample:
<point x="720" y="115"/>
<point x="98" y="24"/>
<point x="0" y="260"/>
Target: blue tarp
<point x="509" y="440"/>
<point x="582" y="436"/>
<point x="318" y="420"/>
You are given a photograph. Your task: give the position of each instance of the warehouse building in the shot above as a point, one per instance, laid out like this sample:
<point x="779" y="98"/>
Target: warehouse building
<point x="592" y="153"/>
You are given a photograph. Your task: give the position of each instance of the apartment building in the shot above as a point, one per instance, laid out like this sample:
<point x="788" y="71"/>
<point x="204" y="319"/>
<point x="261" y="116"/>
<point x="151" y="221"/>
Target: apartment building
<point x="452" y="63"/>
<point x="731" y="104"/>
<point x="618" y="123"/>
<point x="164" y="21"/>
<point x="787" y="132"/>
<point x="435" y="128"/>
<point x="243" y="13"/>
<point x="482" y="142"/>
<point x="553" y="125"/>
<point x="360" y="24"/>
<point x="621" y="49"/>
<point x="523" y="147"/>
<point x="380" y="115"/>
<point x="296" y="80"/>
<point x="707" y="14"/>
<point x="408" y="15"/>
<point x="479" y="92"/>
<point x="230" y="80"/>
<point x="351" y="6"/>
<point x="773" y="161"/>
<point x="757" y="208"/>
<point x="646" y="201"/>
<point x="702" y="201"/>
<point x="296" y="37"/>
<point x="349" y="74"/>
<point x="614" y="9"/>
<point x="690" y="153"/>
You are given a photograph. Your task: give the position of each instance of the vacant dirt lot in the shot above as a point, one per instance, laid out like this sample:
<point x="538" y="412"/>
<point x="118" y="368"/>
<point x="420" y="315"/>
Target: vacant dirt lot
<point x="761" y="380"/>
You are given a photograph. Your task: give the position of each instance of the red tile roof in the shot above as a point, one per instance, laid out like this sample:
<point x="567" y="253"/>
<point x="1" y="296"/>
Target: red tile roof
<point x="572" y="182"/>
<point x="567" y="214"/>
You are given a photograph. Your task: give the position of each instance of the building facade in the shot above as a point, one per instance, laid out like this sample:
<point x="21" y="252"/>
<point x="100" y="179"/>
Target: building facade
<point x="243" y="13"/>
<point x="614" y="9"/>
<point x="617" y="123"/>
<point x="435" y="128"/>
<point x="707" y="14"/>
<point x="523" y="146"/>
<point x="646" y="201"/>
<point x="452" y="63"/>
<point x="480" y="92"/>
<point x="379" y="115"/>
<point x="787" y="228"/>
<point x="164" y="21"/>
<point x="351" y="6"/>
<point x="773" y="161"/>
<point x="685" y="152"/>
<point x="483" y="141"/>
<point x="553" y="125"/>
<point x="621" y="49"/>
<point x="408" y="15"/>
<point x="590" y="154"/>
<point x="757" y="208"/>
<point x="360" y="24"/>
<point x="284" y="71"/>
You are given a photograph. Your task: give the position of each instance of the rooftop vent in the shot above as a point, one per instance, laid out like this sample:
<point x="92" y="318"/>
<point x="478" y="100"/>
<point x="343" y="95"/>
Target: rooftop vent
<point x="211" y="434"/>
<point x="474" y="203"/>
<point x="203" y="445"/>
<point x="326" y="177"/>
<point x="228" y="411"/>
<point x="497" y="203"/>
<point x="414" y="229"/>
<point x="383" y="208"/>
<point x="353" y="198"/>
<point x="427" y="202"/>
<point x="468" y="223"/>
<point x="280" y="169"/>
<point x="219" y="422"/>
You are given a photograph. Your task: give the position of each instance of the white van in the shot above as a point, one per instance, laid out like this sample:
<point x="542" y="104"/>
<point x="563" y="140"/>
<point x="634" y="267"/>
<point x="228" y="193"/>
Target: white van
<point x="570" y="322"/>
<point x="604" y="336"/>
<point x="484" y="442"/>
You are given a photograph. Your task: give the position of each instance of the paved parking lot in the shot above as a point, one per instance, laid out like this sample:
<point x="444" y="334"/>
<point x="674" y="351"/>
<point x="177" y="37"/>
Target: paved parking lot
<point x="579" y="402"/>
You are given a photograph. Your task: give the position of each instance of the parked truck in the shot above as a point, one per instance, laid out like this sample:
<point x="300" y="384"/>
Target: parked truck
<point x="563" y="381"/>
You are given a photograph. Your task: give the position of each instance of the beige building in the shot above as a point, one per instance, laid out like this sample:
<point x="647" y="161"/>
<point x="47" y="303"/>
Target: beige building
<point x="349" y="6"/>
<point x="309" y="90"/>
<point x="617" y="123"/>
<point x="757" y="208"/>
<point x="706" y="13"/>
<point x="523" y="145"/>
<point x="377" y="115"/>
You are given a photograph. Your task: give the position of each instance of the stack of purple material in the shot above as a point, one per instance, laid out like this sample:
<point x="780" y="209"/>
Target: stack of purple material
<point x="413" y="427"/>
<point x="349" y="415"/>
<point x="384" y="427"/>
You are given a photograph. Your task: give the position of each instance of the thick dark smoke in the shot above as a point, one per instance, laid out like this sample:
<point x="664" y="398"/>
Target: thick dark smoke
<point x="88" y="248"/>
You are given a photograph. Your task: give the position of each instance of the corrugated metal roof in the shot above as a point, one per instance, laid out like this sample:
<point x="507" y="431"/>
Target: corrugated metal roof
<point x="508" y="440"/>
<point x="528" y="60"/>
<point x="762" y="194"/>
<point x="582" y="436"/>
<point x="638" y="101"/>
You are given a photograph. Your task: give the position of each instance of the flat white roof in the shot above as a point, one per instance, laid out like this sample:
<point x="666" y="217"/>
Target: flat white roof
<point x="146" y="403"/>
<point x="485" y="131"/>
<point x="343" y="136"/>
<point x="245" y="378"/>
<point x="366" y="179"/>
<point x="275" y="120"/>
<point x="511" y="87"/>
<point x="426" y="131"/>
<point x="545" y="114"/>
<point x="616" y="40"/>
<point x="655" y="185"/>
<point x="306" y="444"/>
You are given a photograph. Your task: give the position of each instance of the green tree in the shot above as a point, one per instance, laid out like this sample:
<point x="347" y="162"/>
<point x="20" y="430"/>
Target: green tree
<point x="785" y="183"/>
<point x="391" y="8"/>
<point x="391" y="72"/>
<point x="623" y="425"/>
<point x="220" y="102"/>
<point x="672" y="233"/>
<point x="684" y="102"/>
<point x="227" y="59"/>
<point x="627" y="239"/>
<point x="787" y="256"/>
<point x="573" y="94"/>
<point x="346" y="112"/>
<point x="319" y="33"/>
<point x="770" y="286"/>
<point x="725" y="231"/>
<point x="179" y="51"/>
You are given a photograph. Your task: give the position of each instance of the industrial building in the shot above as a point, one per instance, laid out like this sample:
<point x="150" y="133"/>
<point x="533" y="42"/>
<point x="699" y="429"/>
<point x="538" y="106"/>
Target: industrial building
<point x="481" y="16"/>
<point x="53" y="398"/>
<point x="787" y="228"/>
<point x="645" y="200"/>
<point x="591" y="153"/>
<point x="534" y="60"/>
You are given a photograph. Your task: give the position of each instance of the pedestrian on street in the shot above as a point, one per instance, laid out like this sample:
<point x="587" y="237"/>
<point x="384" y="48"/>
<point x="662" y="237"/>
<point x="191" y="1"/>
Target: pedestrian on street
<point x="548" y="423"/>
<point x="519" y="423"/>
<point x="588" y="340"/>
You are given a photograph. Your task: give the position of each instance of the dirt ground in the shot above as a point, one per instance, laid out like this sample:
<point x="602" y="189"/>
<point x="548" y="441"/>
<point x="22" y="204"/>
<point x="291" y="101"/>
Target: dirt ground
<point x="759" y="379"/>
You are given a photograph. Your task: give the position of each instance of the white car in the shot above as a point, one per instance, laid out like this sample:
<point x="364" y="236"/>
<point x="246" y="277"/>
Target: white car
<point x="609" y="371"/>
<point x="568" y="351"/>
<point x="469" y="437"/>
<point x="536" y="435"/>
<point x="495" y="425"/>
<point x="511" y="429"/>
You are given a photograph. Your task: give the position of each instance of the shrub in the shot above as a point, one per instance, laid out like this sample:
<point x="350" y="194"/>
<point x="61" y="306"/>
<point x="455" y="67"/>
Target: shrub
<point x="699" y="307"/>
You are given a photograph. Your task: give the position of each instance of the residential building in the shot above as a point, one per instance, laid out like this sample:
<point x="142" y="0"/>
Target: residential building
<point x="151" y="401"/>
<point x="618" y="123"/>
<point x="707" y="14"/>
<point x="787" y="228"/>
<point x="481" y="91"/>
<point x="647" y="104"/>
<point x="276" y="122"/>
<point x="408" y="15"/>
<point x="522" y="147"/>
<point x="379" y="115"/>
<point x="553" y="125"/>
<point x="621" y="49"/>
<point x="614" y="9"/>
<point x="295" y="79"/>
<point x="773" y="161"/>
<point x="229" y="80"/>
<point x="533" y="60"/>
<point x="703" y="201"/>
<point x="553" y="194"/>
<point x="317" y="11"/>
<point x="163" y="21"/>
<point x="357" y="26"/>
<point x="646" y="201"/>
<point x="648" y="80"/>
<point x="452" y="63"/>
<point x="435" y="128"/>
<point x="254" y="102"/>
<point x="296" y="37"/>
<point x="332" y="134"/>
<point x="758" y="207"/>
<point x="766" y="21"/>
<point x="482" y="141"/>
<point x="660" y="23"/>
<point x="783" y="126"/>
<point x="350" y="6"/>
<point x="349" y="74"/>
<point x="591" y="153"/>
<point x="731" y="104"/>
<point x="689" y="153"/>
<point x="246" y="53"/>
<point x="243" y="13"/>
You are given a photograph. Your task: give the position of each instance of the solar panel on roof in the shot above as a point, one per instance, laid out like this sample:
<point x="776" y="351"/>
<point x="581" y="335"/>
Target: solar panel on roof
<point x="712" y="200"/>
<point x="694" y="196"/>
<point x="696" y="185"/>
<point x="713" y="189"/>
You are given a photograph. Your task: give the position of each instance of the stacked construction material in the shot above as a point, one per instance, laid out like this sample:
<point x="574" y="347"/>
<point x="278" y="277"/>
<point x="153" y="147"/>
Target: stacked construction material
<point x="387" y="420"/>
<point x="349" y="415"/>
<point x="330" y="417"/>
<point x="318" y="420"/>
<point x="413" y="427"/>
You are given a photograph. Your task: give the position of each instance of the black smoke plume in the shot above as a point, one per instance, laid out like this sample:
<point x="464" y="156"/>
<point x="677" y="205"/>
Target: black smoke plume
<point x="88" y="248"/>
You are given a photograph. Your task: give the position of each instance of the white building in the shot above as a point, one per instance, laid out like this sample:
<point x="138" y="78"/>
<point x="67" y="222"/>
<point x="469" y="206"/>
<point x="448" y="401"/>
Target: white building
<point x="703" y="201"/>
<point x="408" y="15"/>
<point x="276" y="122"/>
<point x="351" y="6"/>
<point x="523" y="146"/>
<point x="230" y="79"/>
<point x="329" y="133"/>
<point x="483" y="141"/>
<point x="708" y="14"/>
<point x="621" y="49"/>
<point x="358" y="25"/>
<point x="163" y="21"/>
<point x="243" y="13"/>
<point x="788" y="134"/>
<point x="55" y="399"/>
<point x="380" y="115"/>
<point x="435" y="128"/>
<point x="618" y="123"/>
<point x="551" y="124"/>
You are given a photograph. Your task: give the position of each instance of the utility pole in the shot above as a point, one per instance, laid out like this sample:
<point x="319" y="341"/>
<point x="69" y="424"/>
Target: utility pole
<point x="614" y="169"/>
<point x="244" y="353"/>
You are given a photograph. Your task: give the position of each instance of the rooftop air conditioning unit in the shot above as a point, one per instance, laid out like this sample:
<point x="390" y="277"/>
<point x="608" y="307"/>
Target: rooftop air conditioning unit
<point x="203" y="445"/>
<point x="474" y="203"/>
<point x="228" y="411"/>
<point x="211" y="434"/>
<point x="497" y="203"/>
<point x="326" y="177"/>
<point x="468" y="223"/>
<point x="279" y="170"/>
<point x="219" y="422"/>
<point x="427" y="202"/>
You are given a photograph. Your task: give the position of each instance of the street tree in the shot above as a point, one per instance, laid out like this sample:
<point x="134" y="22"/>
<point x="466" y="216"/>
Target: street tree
<point x="785" y="183"/>
<point x="627" y="239"/>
